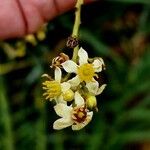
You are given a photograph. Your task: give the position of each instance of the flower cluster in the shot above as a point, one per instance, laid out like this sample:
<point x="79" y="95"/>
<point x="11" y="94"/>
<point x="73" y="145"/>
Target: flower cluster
<point x="75" y="93"/>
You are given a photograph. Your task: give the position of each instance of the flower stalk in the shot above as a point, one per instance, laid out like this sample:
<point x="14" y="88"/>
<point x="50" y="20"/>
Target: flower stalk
<point x="75" y="32"/>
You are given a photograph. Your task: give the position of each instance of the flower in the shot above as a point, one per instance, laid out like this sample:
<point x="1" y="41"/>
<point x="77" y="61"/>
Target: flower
<point x="84" y="71"/>
<point x="55" y="89"/>
<point x="77" y="117"/>
<point x="94" y="88"/>
<point x="57" y="61"/>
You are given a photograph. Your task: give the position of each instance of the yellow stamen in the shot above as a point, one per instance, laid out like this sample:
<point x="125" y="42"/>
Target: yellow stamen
<point x="53" y="89"/>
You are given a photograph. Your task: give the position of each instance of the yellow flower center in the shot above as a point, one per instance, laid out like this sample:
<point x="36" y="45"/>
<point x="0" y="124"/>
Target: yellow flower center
<point x="53" y="89"/>
<point x="86" y="72"/>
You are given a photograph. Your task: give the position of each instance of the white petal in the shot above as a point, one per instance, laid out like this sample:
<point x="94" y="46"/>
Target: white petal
<point x="74" y="81"/>
<point x="79" y="101"/>
<point x="92" y="87"/>
<point x="58" y="74"/>
<point x="98" y="63"/>
<point x="100" y="90"/>
<point x="65" y="86"/>
<point x="70" y="66"/>
<point x="60" y="100"/>
<point x="83" y="124"/>
<point x="83" y="56"/>
<point x="62" y="123"/>
<point x="63" y="110"/>
<point x="78" y="126"/>
<point x="45" y="75"/>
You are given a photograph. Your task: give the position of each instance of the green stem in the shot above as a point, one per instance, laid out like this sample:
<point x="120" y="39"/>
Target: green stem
<point x="75" y="32"/>
<point x="77" y="18"/>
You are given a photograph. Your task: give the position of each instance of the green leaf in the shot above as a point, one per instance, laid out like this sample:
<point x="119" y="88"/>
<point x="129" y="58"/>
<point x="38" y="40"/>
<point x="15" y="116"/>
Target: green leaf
<point x="7" y="141"/>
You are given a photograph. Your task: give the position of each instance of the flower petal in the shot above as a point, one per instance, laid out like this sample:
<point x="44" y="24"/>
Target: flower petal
<point x="83" y="124"/>
<point x="58" y="74"/>
<point x="100" y="90"/>
<point x="92" y="87"/>
<point x="45" y="75"/>
<point x="83" y="56"/>
<point x="65" y="86"/>
<point x="62" y="123"/>
<point x="70" y="66"/>
<point x="60" y="100"/>
<point x="74" y="81"/>
<point x="98" y="63"/>
<point x="63" y="110"/>
<point x="79" y="101"/>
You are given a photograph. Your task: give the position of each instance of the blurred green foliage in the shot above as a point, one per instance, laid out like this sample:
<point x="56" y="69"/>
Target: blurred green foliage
<point x="118" y="31"/>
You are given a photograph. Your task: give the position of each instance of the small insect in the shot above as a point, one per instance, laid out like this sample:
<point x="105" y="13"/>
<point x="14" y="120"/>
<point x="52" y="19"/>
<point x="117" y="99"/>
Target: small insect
<point x="72" y="42"/>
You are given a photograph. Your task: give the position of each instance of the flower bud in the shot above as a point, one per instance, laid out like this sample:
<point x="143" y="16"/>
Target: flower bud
<point x="91" y="101"/>
<point x="31" y="39"/>
<point x="68" y="95"/>
<point x="41" y="35"/>
<point x="72" y="42"/>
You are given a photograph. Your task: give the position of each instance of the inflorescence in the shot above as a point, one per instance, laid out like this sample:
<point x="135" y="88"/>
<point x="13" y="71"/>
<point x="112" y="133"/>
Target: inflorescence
<point x="75" y="93"/>
<point x="74" y="86"/>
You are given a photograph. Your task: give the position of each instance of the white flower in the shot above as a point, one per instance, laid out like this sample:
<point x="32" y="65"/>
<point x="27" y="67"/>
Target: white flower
<point x="94" y="88"/>
<point x="77" y="117"/>
<point x="84" y="71"/>
<point x="55" y="89"/>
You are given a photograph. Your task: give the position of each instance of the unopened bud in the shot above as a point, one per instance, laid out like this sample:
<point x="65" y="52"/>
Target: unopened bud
<point x="91" y="101"/>
<point x="68" y="95"/>
<point x="41" y="35"/>
<point x="72" y="42"/>
<point x="31" y="39"/>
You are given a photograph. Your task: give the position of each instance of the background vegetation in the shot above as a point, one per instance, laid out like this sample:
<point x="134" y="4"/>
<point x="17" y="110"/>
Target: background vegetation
<point x="118" y="31"/>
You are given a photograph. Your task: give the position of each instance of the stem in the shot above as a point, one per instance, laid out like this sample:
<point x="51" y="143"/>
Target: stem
<point x="75" y="53"/>
<point x="75" y="32"/>
<point x="77" y="18"/>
